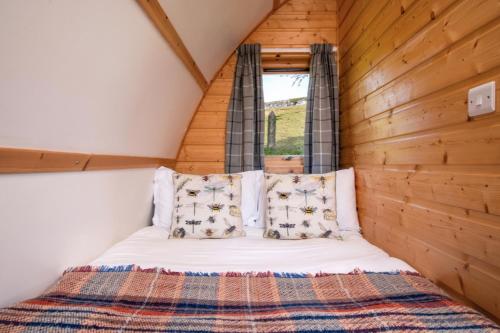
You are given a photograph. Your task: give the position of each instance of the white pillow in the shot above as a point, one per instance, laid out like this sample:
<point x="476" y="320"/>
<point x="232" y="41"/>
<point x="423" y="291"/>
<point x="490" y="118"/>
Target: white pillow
<point x="252" y="199"/>
<point x="347" y="216"/>
<point x="163" y="197"/>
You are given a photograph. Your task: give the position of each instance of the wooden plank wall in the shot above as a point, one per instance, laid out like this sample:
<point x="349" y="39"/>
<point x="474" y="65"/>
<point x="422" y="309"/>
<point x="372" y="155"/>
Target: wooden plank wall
<point x="428" y="176"/>
<point x="298" y="23"/>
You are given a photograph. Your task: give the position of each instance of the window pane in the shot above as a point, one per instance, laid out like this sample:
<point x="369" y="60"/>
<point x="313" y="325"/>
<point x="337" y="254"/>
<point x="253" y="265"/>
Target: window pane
<point x="285" y="96"/>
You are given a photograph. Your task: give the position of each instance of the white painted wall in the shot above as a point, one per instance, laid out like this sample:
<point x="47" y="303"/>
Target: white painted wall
<point x="92" y="76"/>
<point x="212" y="29"/>
<point x="49" y="222"/>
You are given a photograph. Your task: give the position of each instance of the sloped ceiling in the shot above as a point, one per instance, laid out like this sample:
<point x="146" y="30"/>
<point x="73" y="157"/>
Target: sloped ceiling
<point x="212" y="29"/>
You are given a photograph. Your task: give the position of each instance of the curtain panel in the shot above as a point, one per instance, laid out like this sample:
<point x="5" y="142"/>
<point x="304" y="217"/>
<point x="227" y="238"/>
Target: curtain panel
<point x="321" y="133"/>
<point x="245" y="118"/>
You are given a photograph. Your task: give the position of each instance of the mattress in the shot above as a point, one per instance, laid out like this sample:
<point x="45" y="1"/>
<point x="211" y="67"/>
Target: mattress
<point x="150" y="247"/>
<point x="212" y="296"/>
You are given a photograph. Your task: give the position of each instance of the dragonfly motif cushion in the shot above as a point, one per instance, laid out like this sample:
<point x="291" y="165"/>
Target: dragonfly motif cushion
<point x="207" y="206"/>
<point x="301" y="206"/>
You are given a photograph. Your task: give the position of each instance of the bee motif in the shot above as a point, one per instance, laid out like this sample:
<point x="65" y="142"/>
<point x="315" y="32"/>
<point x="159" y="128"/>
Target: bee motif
<point x="205" y="178"/>
<point x="234" y="211"/>
<point x="305" y="235"/>
<point x="216" y="207"/>
<point x="323" y="180"/>
<point x="306" y="224"/>
<point x="209" y="232"/>
<point x="309" y="210"/>
<point x="283" y="195"/>
<point x="273" y="234"/>
<point x="230" y="228"/>
<point x="211" y="219"/>
<point x="179" y="233"/>
<point x="192" y="193"/>
<point x="329" y="214"/>
<point x="296" y="179"/>
<point x="230" y="178"/>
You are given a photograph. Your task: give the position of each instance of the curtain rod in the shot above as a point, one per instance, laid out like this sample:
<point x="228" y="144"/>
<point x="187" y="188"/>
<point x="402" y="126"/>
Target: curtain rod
<point x="290" y="49"/>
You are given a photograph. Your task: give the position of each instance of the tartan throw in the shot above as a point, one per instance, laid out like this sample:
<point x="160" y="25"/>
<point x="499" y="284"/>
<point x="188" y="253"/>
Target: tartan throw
<point x="130" y="299"/>
<point x="321" y="133"/>
<point x="245" y="118"/>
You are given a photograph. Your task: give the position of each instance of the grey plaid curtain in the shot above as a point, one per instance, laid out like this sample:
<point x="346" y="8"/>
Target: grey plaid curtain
<point x="321" y="133"/>
<point x="245" y="118"/>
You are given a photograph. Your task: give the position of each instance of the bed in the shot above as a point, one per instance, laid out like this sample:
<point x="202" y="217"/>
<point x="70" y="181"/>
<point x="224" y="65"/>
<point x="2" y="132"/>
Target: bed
<point x="149" y="283"/>
<point x="150" y="248"/>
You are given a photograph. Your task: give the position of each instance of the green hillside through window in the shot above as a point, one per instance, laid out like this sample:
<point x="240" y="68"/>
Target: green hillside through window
<point x="290" y="123"/>
<point x="290" y="112"/>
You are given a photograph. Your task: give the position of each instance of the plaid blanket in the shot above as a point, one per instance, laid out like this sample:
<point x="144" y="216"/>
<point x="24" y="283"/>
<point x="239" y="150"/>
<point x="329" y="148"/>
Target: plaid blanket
<point x="130" y="299"/>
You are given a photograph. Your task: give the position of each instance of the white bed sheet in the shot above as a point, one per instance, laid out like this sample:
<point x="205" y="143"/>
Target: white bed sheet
<point x="150" y="247"/>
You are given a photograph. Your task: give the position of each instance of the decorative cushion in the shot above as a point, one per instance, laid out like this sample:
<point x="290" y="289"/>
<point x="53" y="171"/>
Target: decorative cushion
<point x="301" y="206"/>
<point x="207" y="206"/>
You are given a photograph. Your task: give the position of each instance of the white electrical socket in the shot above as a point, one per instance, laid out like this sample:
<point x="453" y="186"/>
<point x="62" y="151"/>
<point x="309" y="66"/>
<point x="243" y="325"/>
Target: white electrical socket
<point x="481" y="99"/>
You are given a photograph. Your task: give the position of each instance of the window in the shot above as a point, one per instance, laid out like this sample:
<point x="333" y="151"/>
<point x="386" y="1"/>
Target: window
<point x="285" y="100"/>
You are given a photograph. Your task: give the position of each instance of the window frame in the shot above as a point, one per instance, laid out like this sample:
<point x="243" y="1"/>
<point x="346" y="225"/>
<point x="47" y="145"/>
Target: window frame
<point x="280" y="63"/>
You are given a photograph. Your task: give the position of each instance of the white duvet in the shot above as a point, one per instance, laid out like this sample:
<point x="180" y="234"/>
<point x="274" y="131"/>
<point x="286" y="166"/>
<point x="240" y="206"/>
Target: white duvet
<point x="150" y="247"/>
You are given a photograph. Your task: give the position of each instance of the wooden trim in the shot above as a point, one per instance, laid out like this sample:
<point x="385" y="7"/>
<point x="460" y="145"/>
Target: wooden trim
<point x="283" y="60"/>
<point x="105" y="162"/>
<point x="276" y="4"/>
<point x="17" y="160"/>
<point x="284" y="163"/>
<point x="167" y="30"/>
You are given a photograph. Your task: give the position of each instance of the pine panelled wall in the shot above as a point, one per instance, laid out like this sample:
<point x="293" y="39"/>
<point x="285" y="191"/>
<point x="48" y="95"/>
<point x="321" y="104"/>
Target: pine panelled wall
<point x="428" y="176"/>
<point x="298" y="23"/>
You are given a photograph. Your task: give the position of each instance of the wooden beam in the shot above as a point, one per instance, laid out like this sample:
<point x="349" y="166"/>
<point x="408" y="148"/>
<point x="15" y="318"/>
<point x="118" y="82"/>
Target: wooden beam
<point x="17" y="160"/>
<point x="167" y="30"/>
<point x="106" y="162"/>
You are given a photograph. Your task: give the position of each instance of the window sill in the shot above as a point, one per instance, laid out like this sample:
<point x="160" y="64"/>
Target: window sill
<point x="284" y="163"/>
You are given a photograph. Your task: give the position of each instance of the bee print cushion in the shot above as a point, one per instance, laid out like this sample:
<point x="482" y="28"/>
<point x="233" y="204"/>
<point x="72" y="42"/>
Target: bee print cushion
<point x="301" y="206"/>
<point x="207" y="206"/>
